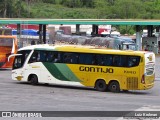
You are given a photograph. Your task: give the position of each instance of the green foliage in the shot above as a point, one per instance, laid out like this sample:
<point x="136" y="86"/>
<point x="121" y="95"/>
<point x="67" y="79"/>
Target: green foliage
<point x="82" y="9"/>
<point x="127" y="9"/>
<point x="126" y="29"/>
<point x="49" y="1"/>
<point x="72" y="3"/>
<point x="12" y="8"/>
<point x="100" y="9"/>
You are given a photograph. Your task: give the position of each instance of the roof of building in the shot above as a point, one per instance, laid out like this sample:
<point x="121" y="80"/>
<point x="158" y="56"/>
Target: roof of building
<point x="80" y="21"/>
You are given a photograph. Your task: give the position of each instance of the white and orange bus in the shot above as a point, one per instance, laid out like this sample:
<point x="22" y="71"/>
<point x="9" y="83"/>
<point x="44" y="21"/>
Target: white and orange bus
<point x="8" y="46"/>
<point x="102" y="69"/>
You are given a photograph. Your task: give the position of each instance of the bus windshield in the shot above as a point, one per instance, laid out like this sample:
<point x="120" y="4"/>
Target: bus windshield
<point x="20" y="59"/>
<point x="8" y="46"/>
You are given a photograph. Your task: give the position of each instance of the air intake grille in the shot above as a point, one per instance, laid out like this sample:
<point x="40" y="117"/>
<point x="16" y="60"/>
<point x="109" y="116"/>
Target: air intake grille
<point x="132" y="83"/>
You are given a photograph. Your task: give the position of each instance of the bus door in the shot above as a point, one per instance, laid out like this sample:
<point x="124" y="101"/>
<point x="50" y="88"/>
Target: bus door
<point x="33" y="65"/>
<point x="17" y="72"/>
<point x="20" y="64"/>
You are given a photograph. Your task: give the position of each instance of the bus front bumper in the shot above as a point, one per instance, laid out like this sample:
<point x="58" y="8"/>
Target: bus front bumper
<point x="147" y="86"/>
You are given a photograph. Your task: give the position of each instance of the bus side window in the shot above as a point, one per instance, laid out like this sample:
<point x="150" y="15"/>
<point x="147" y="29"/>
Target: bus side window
<point x="75" y="58"/>
<point x="42" y="56"/>
<point x="100" y="60"/>
<point x="67" y="58"/>
<point x="89" y="59"/>
<point x="94" y="59"/>
<point x="130" y="62"/>
<point x="52" y="57"/>
<point x="123" y="61"/>
<point x="108" y="60"/>
<point x="81" y="58"/>
<point x="34" y="57"/>
<point x="86" y="59"/>
<point x="104" y="60"/>
<point x="26" y="55"/>
<point x="116" y="60"/>
<point x="19" y="62"/>
<point x="133" y="61"/>
<point x="56" y="57"/>
<point x="49" y="57"/>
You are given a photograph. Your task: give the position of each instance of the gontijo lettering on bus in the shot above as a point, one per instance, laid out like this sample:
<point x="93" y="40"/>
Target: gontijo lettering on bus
<point x="96" y="69"/>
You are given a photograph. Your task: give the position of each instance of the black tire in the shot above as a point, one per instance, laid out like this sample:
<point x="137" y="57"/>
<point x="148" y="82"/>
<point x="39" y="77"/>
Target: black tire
<point x="114" y="86"/>
<point x="33" y="80"/>
<point x="101" y="85"/>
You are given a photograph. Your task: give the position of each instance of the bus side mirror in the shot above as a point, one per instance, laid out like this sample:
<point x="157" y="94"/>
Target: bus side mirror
<point x="9" y="57"/>
<point x="13" y="55"/>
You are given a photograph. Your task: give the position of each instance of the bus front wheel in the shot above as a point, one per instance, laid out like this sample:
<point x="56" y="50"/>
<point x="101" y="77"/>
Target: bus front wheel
<point x="33" y="79"/>
<point x="101" y="85"/>
<point x="114" y="86"/>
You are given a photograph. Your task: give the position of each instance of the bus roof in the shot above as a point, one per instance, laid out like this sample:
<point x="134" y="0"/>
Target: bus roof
<point x="80" y="48"/>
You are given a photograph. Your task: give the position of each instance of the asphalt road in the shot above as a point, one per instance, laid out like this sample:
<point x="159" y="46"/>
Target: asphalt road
<point x="17" y="96"/>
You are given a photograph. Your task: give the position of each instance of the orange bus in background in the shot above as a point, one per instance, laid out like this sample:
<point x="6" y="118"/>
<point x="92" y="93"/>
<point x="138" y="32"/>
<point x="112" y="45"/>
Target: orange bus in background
<point x="8" y="46"/>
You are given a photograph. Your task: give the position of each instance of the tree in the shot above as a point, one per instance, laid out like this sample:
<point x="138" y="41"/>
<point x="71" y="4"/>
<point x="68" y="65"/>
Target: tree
<point x="111" y="2"/>
<point x="49" y="1"/>
<point x="102" y="8"/>
<point x="17" y="8"/>
<point x="3" y="8"/>
<point x="127" y="8"/>
<point x="11" y="8"/>
<point x="152" y="9"/>
<point x="88" y="3"/>
<point x="71" y="3"/>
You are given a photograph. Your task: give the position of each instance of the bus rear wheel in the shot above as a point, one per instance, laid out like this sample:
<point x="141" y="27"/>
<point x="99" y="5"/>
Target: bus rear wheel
<point x="101" y="85"/>
<point x="33" y="79"/>
<point x="114" y="86"/>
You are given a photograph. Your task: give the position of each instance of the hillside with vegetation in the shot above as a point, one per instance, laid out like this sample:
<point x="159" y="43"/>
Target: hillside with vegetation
<point x="96" y="9"/>
<point x="82" y="9"/>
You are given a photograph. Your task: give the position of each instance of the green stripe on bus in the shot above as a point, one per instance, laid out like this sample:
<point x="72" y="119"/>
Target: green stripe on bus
<point x="61" y="72"/>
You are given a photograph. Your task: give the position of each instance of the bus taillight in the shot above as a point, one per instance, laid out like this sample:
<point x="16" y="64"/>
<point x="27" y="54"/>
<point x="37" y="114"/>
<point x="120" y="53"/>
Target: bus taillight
<point x="143" y="79"/>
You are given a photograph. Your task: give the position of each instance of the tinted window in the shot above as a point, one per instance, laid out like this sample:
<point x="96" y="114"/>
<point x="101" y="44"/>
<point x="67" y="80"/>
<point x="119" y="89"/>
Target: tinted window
<point x="105" y="60"/>
<point x="20" y="60"/>
<point x="52" y="56"/>
<point x="45" y="56"/>
<point x="88" y="59"/>
<point x="133" y="61"/>
<point x="85" y="58"/>
<point x="38" y="56"/>
<point x="120" y="60"/>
